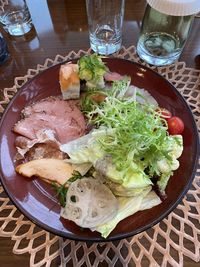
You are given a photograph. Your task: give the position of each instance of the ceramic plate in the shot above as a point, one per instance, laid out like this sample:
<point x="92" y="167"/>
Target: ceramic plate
<point x="36" y="199"/>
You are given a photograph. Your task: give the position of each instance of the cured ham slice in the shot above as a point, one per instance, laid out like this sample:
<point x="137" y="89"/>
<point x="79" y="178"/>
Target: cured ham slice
<point x="62" y="117"/>
<point x="113" y="76"/>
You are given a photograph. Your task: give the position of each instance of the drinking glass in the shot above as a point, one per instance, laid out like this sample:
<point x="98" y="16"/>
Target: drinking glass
<point x="105" y="19"/>
<point x="15" y="17"/>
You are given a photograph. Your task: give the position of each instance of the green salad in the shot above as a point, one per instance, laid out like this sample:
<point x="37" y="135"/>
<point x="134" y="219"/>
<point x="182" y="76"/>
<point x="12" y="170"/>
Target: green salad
<point x="129" y="149"/>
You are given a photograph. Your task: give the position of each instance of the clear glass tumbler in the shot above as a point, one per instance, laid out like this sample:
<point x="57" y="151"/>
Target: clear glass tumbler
<point x="162" y="36"/>
<point x="15" y="17"/>
<point x="105" y="19"/>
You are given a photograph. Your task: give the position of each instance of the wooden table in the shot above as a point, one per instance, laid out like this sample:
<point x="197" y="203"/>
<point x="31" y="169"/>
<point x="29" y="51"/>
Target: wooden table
<point x="59" y="27"/>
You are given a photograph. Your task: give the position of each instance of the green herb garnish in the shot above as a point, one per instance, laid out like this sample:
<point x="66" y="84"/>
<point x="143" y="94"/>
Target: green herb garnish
<point x="61" y="190"/>
<point x="75" y="176"/>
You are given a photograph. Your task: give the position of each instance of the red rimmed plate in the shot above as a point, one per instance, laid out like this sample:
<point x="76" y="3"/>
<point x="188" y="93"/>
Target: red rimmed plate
<point x="36" y="199"/>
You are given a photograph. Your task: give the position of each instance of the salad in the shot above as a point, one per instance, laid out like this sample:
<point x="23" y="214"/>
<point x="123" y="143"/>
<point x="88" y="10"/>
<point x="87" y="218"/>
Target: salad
<point x="131" y="148"/>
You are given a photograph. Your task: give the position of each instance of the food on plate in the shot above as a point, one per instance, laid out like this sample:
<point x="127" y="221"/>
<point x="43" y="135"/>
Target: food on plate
<point x="113" y="76"/>
<point x="69" y="81"/>
<point x="127" y="207"/>
<point x="44" y="145"/>
<point x="175" y="125"/>
<point x="50" y="170"/>
<point x="164" y="113"/>
<point x="92" y="70"/>
<point x="62" y="117"/>
<point x="110" y="171"/>
<point x="89" y="203"/>
<point x="129" y="152"/>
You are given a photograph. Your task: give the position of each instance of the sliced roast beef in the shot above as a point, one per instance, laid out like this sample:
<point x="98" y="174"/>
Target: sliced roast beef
<point x="52" y="106"/>
<point x="63" y="117"/>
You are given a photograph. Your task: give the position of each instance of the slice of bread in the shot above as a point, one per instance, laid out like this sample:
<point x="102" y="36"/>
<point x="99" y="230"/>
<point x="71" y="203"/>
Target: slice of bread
<point x="69" y="81"/>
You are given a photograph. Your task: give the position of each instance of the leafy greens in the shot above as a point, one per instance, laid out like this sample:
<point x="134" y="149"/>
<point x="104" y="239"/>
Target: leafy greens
<point x="140" y="135"/>
<point x="92" y="70"/>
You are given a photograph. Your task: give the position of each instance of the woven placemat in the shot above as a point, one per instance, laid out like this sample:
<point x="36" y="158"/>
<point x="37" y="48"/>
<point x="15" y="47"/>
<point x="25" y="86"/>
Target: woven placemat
<point x="176" y="236"/>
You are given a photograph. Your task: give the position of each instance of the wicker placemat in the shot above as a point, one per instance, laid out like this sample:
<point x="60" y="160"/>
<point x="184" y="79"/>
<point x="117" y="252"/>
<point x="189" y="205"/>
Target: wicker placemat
<point x="176" y="236"/>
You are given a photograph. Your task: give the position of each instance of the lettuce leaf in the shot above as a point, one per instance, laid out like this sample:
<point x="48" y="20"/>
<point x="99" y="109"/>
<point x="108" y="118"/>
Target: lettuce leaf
<point x="127" y="207"/>
<point x="128" y="178"/>
<point x="85" y="149"/>
<point x="88" y="149"/>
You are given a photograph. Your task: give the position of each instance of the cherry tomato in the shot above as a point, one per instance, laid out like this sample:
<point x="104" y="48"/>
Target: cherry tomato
<point x="164" y="113"/>
<point x="175" y="125"/>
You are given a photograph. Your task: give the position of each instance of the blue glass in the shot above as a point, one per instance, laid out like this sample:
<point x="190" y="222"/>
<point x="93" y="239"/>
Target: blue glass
<point x="3" y="50"/>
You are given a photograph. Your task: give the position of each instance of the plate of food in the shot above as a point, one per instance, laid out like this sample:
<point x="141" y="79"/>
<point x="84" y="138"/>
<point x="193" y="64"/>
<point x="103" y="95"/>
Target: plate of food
<point x="97" y="149"/>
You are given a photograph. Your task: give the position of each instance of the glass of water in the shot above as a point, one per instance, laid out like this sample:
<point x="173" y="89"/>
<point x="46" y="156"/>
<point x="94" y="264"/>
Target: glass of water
<point x="15" y="17"/>
<point x="105" y="19"/>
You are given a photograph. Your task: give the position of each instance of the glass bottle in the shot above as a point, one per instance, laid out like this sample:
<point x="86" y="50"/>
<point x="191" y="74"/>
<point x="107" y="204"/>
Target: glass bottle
<point x="163" y="35"/>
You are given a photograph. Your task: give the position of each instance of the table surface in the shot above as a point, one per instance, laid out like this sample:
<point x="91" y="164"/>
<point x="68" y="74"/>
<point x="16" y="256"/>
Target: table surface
<point x="60" y="27"/>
